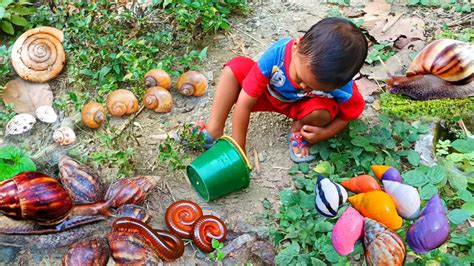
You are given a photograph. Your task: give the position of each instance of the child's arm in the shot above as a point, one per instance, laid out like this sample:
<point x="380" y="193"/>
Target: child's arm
<point x="241" y="117"/>
<point x="317" y="134"/>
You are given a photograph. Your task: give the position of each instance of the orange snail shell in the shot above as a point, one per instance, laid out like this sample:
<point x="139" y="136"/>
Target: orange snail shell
<point x="158" y="77"/>
<point x="38" y="54"/>
<point x="448" y="59"/>
<point x="192" y="83"/>
<point x="158" y="99"/>
<point x="121" y="102"/>
<point x="93" y="115"/>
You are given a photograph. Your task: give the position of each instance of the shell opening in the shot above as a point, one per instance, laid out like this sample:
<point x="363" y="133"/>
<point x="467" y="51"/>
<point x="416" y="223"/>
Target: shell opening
<point x="187" y="89"/>
<point x="150" y="82"/>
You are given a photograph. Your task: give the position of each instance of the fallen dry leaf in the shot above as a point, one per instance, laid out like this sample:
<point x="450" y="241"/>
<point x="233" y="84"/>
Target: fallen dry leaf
<point x="412" y="28"/>
<point x="26" y="96"/>
<point x="366" y="86"/>
<point x="377" y="105"/>
<point x="375" y="12"/>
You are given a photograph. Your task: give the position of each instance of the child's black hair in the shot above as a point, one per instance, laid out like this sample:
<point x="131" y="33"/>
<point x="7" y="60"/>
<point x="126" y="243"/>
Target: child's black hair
<point x="336" y="50"/>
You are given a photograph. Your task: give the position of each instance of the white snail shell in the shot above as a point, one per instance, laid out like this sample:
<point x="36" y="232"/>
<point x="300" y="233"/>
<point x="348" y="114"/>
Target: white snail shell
<point x="20" y="124"/>
<point x="46" y="114"/>
<point x="64" y="136"/>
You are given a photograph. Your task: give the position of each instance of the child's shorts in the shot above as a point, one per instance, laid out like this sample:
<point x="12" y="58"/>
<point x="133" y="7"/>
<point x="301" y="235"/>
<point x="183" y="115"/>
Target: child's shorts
<point x="241" y="66"/>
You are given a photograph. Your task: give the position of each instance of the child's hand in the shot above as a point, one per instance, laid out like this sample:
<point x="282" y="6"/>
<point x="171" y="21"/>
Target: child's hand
<point x="313" y="134"/>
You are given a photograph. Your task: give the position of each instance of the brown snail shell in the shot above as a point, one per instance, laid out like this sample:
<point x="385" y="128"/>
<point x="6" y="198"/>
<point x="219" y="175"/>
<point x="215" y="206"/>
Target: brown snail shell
<point x="158" y="77"/>
<point x="122" y="102"/>
<point x="36" y="197"/>
<point x="448" y="59"/>
<point x="192" y="83"/>
<point x="158" y="99"/>
<point x="81" y="182"/>
<point x="88" y="252"/>
<point x="131" y="249"/>
<point x="130" y="191"/>
<point x="64" y="136"/>
<point x="38" y="54"/>
<point x="93" y="115"/>
<point x="133" y="211"/>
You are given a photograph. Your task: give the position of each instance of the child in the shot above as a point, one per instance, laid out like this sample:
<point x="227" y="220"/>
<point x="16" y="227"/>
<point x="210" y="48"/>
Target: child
<point x="307" y="79"/>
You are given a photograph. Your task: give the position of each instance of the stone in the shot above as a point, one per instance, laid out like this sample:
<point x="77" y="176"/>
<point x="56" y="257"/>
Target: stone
<point x="424" y="146"/>
<point x="8" y="254"/>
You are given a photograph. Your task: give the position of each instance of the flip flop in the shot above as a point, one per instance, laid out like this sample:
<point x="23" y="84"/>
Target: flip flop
<point x="297" y="140"/>
<point x="200" y="128"/>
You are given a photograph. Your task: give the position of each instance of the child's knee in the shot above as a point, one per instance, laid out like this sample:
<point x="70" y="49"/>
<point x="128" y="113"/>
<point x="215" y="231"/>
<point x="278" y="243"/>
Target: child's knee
<point x="317" y="118"/>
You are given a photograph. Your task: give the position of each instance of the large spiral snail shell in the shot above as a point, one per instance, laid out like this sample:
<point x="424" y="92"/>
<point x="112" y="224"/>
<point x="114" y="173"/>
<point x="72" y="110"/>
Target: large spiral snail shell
<point x="93" y="115"/>
<point x="88" y="252"/>
<point x="122" y="102"/>
<point x="158" y="99"/>
<point x="192" y="83"/>
<point x="382" y="245"/>
<point x="158" y="77"/>
<point x="130" y="191"/>
<point x="36" y="197"/>
<point x="38" y="54"/>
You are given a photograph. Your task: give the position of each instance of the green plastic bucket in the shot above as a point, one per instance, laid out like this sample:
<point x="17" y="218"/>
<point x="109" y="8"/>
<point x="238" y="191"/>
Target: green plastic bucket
<point x="222" y="169"/>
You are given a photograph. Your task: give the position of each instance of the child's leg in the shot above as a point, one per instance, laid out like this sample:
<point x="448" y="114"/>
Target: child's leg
<point x="317" y="118"/>
<point x="227" y="92"/>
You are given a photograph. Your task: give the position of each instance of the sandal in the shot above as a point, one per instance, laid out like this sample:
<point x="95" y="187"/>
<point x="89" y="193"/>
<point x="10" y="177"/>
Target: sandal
<point x="297" y="140"/>
<point x="199" y="128"/>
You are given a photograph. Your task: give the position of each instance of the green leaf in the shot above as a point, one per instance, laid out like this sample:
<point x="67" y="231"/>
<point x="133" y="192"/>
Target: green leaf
<point x="413" y="158"/>
<point x="324" y="167"/>
<point x="307" y="201"/>
<point x="469" y="208"/>
<point x="215" y="243"/>
<point x="427" y="191"/>
<point x="436" y="174"/>
<point x="22" y="10"/>
<point x="323" y="226"/>
<point x="465" y="195"/>
<point x="5" y="3"/>
<point x="7" y="27"/>
<point x="458" y="216"/>
<point x="304" y="167"/>
<point x="415" y="178"/>
<point x="463" y="145"/>
<point x="289" y="198"/>
<point x="2" y="12"/>
<point x="17" y="20"/>
<point x="457" y="181"/>
<point x="287" y="254"/>
<point x="294" y="213"/>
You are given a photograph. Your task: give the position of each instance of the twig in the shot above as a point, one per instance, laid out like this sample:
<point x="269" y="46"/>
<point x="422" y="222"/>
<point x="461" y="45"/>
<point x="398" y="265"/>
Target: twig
<point x="255" y="159"/>
<point x="464" y="128"/>
<point x="10" y="244"/>
<point x="391" y="23"/>
<point x="464" y="20"/>
<point x="253" y="38"/>
<point x="171" y="193"/>
<point x="129" y="121"/>
<point x="279" y="167"/>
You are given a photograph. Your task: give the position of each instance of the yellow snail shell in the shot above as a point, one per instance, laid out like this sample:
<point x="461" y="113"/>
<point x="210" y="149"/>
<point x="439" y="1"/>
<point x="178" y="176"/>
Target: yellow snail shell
<point x="158" y="99"/>
<point x="157" y="77"/>
<point x="121" y="102"/>
<point x="64" y="136"/>
<point x="192" y="83"/>
<point x="93" y="115"/>
<point x="38" y="54"/>
<point x="448" y="59"/>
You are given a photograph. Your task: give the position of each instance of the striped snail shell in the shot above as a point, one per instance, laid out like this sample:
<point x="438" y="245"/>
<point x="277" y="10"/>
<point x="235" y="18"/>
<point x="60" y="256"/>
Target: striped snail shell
<point x="38" y="54"/>
<point x="329" y="197"/>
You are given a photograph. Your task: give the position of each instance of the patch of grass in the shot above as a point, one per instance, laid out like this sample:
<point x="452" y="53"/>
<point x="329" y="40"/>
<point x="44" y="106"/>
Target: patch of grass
<point x="465" y="34"/>
<point x="13" y="15"/>
<point x="463" y="6"/>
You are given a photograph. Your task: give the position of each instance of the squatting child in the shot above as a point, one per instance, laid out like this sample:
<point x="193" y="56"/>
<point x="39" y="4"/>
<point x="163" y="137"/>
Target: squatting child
<point x="308" y="79"/>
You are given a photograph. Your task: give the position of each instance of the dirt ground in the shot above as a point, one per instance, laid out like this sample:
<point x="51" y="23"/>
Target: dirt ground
<point x="268" y="21"/>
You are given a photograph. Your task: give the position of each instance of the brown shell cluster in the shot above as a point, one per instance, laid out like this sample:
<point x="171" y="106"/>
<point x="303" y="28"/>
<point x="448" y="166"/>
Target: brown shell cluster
<point x="158" y="99"/>
<point x="122" y="102"/>
<point x="38" y="54"/>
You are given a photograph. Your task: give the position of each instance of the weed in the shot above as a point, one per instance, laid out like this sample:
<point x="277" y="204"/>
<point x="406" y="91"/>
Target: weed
<point x="13" y="15"/>
<point x="6" y="115"/>
<point x="382" y="50"/>
<point x="14" y="161"/>
<point x="463" y="6"/>
<point x="217" y="255"/>
<point x="110" y="155"/>
<point x="465" y="35"/>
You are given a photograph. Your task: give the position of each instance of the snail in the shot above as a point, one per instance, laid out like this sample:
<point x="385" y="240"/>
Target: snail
<point x="361" y="184"/>
<point x="384" y="172"/>
<point x="93" y="115"/>
<point x="329" y="197"/>
<point x="46" y="114"/>
<point x="38" y="54"/>
<point x="129" y="191"/>
<point x="406" y="198"/>
<point x="158" y="99"/>
<point x="181" y="216"/>
<point x="88" y="252"/>
<point x="122" y="102"/>
<point x="64" y="136"/>
<point x="158" y="77"/>
<point x="347" y="230"/>
<point x="382" y="245"/>
<point x="443" y="69"/>
<point x="192" y="83"/>
<point x="205" y="229"/>
<point x="20" y="124"/>
<point x="168" y="246"/>
<point x="133" y="211"/>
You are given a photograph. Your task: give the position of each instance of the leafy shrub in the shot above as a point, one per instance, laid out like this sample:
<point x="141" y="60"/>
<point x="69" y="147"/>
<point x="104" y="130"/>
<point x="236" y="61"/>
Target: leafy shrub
<point x="13" y="14"/>
<point x="14" y="161"/>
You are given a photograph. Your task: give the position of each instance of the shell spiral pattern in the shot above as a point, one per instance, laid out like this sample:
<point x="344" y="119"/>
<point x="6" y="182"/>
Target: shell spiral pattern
<point x="329" y="196"/>
<point x="38" y="54"/>
<point x="64" y="136"/>
<point x="382" y="245"/>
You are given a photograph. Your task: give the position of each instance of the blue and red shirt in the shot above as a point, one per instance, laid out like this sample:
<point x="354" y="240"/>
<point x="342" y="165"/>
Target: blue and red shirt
<point x="272" y="73"/>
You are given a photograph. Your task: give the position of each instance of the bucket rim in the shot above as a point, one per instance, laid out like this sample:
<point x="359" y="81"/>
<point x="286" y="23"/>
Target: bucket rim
<point x="241" y="151"/>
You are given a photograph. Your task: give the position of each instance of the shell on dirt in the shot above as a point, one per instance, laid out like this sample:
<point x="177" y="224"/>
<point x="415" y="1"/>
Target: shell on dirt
<point x="64" y="136"/>
<point x="382" y="245"/>
<point x="20" y="124"/>
<point x="87" y="252"/>
<point x="46" y="114"/>
<point x="131" y="248"/>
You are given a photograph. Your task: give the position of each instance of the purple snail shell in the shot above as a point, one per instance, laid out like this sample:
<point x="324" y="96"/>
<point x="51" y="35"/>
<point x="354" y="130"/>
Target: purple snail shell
<point x="382" y="245"/>
<point x="431" y="229"/>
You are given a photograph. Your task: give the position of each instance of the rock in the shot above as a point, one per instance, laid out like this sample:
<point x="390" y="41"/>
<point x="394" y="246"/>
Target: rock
<point x="237" y="243"/>
<point x="265" y="251"/>
<point x="369" y="99"/>
<point x="8" y="254"/>
<point x="424" y="146"/>
<point x="261" y="157"/>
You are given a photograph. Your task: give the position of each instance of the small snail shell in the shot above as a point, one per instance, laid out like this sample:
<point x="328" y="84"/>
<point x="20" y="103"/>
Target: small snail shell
<point x="64" y="136"/>
<point x="20" y="124"/>
<point x="157" y="77"/>
<point x="192" y="83"/>
<point x="93" y="115"/>
<point x="46" y="114"/>
<point x="38" y="54"/>
<point x="121" y="102"/>
<point x="158" y="99"/>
